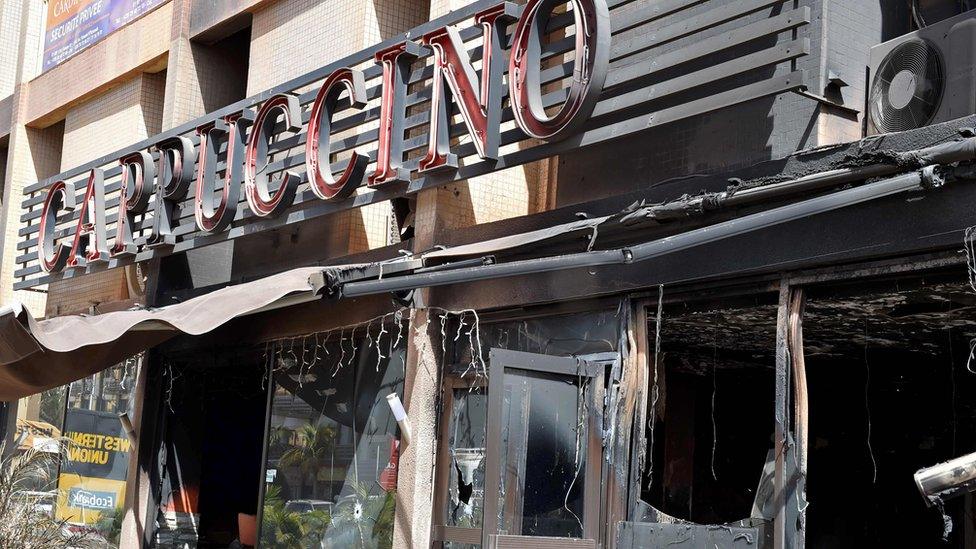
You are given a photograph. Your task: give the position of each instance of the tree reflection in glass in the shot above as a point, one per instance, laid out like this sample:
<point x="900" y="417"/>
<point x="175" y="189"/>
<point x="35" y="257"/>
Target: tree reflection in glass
<point x="332" y="447"/>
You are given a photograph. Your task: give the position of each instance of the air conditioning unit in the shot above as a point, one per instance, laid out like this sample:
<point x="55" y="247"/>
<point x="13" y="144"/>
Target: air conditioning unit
<point x="925" y="77"/>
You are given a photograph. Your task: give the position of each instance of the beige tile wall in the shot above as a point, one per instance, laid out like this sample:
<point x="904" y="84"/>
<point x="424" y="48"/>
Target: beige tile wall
<point x="201" y="76"/>
<point x="129" y="112"/>
<point x="138" y="47"/>
<point x="34" y="154"/>
<point x="292" y="37"/>
<point x="10" y="23"/>
<point x="501" y="195"/>
<point x="122" y="115"/>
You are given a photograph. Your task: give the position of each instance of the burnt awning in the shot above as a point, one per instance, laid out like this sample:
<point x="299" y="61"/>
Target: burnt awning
<point x="36" y="355"/>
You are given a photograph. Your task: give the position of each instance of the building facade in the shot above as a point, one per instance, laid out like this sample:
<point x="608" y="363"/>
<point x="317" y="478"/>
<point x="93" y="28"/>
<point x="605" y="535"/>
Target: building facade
<point x="633" y="268"/>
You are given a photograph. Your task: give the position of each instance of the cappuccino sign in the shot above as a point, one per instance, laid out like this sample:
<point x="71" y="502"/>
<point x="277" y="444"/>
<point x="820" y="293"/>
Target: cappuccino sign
<point x="487" y="87"/>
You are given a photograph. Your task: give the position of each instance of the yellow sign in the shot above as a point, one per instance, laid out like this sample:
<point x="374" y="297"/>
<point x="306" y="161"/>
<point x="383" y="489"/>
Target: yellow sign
<point x="91" y="484"/>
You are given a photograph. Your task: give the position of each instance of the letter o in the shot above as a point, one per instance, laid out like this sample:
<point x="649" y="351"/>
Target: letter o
<point x="591" y="59"/>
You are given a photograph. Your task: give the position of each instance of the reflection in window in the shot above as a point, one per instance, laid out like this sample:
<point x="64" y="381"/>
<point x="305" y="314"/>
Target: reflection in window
<point x="39" y="428"/>
<point x="543" y="451"/>
<point x="332" y="451"/>
<point x="91" y="483"/>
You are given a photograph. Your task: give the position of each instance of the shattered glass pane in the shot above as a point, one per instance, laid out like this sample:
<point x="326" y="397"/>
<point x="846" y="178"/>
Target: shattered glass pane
<point x="332" y="454"/>
<point x="466" y="486"/>
<point x="542" y="456"/>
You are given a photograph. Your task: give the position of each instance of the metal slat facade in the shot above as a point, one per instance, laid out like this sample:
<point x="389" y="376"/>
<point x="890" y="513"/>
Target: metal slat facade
<point x="647" y="41"/>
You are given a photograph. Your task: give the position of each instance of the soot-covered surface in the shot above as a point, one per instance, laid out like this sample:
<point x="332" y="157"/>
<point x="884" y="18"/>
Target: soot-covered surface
<point x="913" y="319"/>
<point x="889" y="393"/>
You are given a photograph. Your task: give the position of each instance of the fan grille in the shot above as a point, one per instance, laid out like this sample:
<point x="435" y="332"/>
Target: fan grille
<point x="907" y="88"/>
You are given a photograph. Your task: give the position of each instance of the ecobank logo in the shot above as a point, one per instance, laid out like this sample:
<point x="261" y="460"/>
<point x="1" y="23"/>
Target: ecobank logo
<point x="86" y="499"/>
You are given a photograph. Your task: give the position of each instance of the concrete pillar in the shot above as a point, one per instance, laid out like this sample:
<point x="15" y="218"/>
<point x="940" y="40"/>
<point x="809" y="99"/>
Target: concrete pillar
<point x="10" y="26"/>
<point x="32" y="153"/>
<point x="415" y="484"/>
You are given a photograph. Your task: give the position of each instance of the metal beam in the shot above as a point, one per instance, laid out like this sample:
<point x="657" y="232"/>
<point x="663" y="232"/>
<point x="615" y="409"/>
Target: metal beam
<point x="648" y="250"/>
<point x="781" y="416"/>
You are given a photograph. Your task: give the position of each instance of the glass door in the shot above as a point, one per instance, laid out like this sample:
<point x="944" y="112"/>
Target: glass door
<point x="543" y="471"/>
<point x="521" y="455"/>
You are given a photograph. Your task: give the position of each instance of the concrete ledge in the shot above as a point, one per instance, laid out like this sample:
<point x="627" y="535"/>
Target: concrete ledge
<point x="212" y="20"/>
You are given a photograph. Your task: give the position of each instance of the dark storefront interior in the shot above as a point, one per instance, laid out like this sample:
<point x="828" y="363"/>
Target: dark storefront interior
<point x="214" y="413"/>
<point x="889" y="384"/>
<point x="890" y="393"/>
<point x="327" y="454"/>
<point x="713" y="427"/>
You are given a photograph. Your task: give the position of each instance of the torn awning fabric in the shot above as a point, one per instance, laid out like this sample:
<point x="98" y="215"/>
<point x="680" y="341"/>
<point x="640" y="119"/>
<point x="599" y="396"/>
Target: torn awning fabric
<point x="36" y="355"/>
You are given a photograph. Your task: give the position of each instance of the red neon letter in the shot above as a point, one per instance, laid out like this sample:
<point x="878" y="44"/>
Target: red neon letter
<point x="137" y="169"/>
<point x="212" y="217"/>
<point x="591" y="24"/>
<point x="256" y="178"/>
<point x="396" y="71"/>
<point x="318" y="164"/>
<point x="90" y="245"/>
<point x="176" y="158"/>
<point x="480" y="106"/>
<point x="54" y="255"/>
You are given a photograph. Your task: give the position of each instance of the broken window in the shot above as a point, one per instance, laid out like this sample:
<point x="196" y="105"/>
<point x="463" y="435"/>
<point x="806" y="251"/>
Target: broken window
<point x="332" y="444"/>
<point x="890" y="391"/>
<point x="520" y="434"/>
<point x="710" y="416"/>
<point x="466" y="444"/>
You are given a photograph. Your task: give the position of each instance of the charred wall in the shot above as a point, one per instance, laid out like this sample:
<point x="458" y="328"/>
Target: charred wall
<point x="841" y="34"/>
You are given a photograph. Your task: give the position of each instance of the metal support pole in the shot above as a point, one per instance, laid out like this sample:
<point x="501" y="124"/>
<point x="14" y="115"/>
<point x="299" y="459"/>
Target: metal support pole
<point x="800" y="408"/>
<point x="781" y="415"/>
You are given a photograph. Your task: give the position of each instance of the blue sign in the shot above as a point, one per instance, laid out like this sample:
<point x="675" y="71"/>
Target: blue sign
<point x="88" y="499"/>
<point x="74" y="25"/>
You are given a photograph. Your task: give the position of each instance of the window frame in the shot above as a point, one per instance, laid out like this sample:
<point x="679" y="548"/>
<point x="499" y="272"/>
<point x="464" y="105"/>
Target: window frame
<point x="441" y="532"/>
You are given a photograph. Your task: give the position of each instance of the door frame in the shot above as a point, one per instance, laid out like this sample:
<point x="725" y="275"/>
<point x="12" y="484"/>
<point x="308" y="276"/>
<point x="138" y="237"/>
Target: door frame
<point x="583" y="367"/>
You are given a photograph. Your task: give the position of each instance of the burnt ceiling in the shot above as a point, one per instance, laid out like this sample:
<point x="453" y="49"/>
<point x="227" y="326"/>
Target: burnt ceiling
<point x="918" y="319"/>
